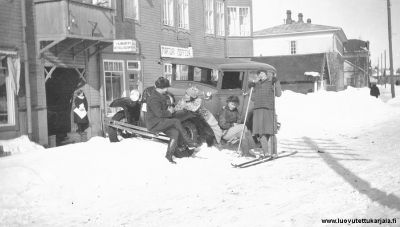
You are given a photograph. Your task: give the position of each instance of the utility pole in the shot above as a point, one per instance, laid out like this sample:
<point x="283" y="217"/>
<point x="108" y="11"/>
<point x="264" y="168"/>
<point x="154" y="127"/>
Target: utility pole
<point x="385" y="68"/>
<point x="390" y="49"/>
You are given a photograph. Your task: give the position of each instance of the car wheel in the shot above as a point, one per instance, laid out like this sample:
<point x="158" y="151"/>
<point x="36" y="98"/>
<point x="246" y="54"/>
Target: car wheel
<point x="117" y="135"/>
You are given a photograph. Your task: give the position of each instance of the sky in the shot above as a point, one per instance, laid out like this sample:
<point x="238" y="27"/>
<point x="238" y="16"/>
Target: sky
<point x="359" y="19"/>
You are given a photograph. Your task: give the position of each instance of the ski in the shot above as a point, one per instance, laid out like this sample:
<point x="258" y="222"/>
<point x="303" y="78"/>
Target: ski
<point x="261" y="160"/>
<point x="249" y="162"/>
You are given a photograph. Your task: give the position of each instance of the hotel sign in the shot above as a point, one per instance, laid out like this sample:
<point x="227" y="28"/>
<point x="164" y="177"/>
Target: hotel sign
<point x="124" y="45"/>
<point x="176" y="52"/>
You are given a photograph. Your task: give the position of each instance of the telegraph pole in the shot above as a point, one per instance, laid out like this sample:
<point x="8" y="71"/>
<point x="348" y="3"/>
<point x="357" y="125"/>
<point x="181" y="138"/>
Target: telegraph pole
<point x="390" y="49"/>
<point x="385" y="68"/>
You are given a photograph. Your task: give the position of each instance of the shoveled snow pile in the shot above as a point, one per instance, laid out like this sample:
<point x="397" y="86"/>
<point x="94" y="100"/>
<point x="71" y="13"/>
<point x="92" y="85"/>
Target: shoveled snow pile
<point x="20" y="145"/>
<point x="332" y="112"/>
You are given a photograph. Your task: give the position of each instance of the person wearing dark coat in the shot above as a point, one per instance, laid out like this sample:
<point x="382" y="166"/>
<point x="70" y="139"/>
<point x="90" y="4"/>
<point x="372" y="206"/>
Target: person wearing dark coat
<point x="264" y="116"/>
<point x="81" y="112"/>
<point x="374" y="91"/>
<point x="159" y="118"/>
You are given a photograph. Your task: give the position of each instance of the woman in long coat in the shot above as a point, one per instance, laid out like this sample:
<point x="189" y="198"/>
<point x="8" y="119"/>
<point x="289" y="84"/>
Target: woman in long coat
<point x="80" y="112"/>
<point x="264" y="118"/>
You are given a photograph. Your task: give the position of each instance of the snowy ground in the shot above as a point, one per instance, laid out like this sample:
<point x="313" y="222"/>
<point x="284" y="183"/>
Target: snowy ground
<point x="355" y="174"/>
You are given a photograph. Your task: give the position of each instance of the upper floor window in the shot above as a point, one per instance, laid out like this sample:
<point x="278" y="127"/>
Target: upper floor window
<point x="183" y="7"/>
<point x="104" y="3"/>
<point x="131" y="9"/>
<point x="168" y="18"/>
<point x="209" y="16"/>
<point x="220" y="11"/>
<point x="293" y="47"/>
<point x="238" y="21"/>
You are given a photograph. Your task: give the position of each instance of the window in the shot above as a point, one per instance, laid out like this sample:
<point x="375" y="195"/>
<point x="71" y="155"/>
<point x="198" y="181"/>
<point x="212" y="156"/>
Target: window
<point x="133" y="65"/>
<point x="209" y="16"/>
<point x="293" y="47"/>
<point x="182" y="72"/>
<point x="239" y="21"/>
<point x="220" y="18"/>
<point x="131" y="9"/>
<point x="205" y="76"/>
<point x="114" y="83"/>
<point x="168" y="12"/>
<point x="232" y="80"/>
<point x="7" y="97"/>
<point x="183" y="8"/>
<point x="104" y="3"/>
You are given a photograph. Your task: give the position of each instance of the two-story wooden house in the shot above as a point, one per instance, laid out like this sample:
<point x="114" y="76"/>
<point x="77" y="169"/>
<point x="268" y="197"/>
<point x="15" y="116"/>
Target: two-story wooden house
<point x="299" y="38"/>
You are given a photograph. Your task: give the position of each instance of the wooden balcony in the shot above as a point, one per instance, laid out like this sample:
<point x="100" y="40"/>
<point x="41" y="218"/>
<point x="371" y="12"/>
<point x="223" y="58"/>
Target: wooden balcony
<point x="72" y="21"/>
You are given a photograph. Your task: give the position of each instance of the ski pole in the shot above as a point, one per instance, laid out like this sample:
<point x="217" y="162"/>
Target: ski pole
<point x="245" y="119"/>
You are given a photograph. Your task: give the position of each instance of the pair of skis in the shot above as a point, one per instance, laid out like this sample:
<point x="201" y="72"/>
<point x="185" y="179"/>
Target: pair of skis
<point x="261" y="160"/>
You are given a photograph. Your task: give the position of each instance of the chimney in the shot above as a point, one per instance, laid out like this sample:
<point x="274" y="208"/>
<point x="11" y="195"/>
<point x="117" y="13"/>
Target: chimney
<point x="288" y="17"/>
<point x="300" y="18"/>
<point x="308" y="21"/>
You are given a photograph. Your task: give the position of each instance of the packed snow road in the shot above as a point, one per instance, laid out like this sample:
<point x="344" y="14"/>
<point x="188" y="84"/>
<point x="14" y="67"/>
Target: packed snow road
<point x="348" y="173"/>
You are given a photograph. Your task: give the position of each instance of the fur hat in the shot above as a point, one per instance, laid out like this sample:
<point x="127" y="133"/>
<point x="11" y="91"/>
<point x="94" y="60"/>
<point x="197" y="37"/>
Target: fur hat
<point x="162" y="82"/>
<point x="192" y="92"/>
<point x="233" y="99"/>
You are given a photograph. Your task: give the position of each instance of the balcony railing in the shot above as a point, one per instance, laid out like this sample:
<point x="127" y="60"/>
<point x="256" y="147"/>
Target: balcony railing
<point x="57" y="19"/>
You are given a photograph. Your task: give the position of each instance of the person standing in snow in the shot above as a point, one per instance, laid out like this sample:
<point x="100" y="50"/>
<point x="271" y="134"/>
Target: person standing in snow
<point x="192" y="102"/>
<point x="374" y="90"/>
<point x="159" y="118"/>
<point x="264" y="118"/>
<point x="81" y="113"/>
<point x="229" y="121"/>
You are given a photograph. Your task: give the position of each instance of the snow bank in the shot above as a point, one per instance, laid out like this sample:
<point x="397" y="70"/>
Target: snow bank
<point x="332" y="112"/>
<point x="20" y="145"/>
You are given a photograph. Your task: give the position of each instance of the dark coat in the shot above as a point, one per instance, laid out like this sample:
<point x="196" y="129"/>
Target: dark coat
<point x="263" y="94"/>
<point x="374" y="91"/>
<point x="77" y="103"/>
<point x="227" y="117"/>
<point x="157" y="109"/>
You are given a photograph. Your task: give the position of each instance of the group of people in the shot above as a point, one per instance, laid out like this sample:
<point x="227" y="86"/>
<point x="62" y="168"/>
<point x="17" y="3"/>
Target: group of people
<point x="160" y="116"/>
<point x="228" y="127"/>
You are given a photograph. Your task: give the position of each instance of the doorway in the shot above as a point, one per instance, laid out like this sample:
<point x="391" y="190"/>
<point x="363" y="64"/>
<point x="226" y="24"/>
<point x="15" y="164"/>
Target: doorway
<point x="60" y="88"/>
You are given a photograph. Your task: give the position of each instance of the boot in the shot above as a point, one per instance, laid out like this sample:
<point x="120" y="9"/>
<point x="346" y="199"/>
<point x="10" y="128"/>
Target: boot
<point x="170" y="150"/>
<point x="264" y="145"/>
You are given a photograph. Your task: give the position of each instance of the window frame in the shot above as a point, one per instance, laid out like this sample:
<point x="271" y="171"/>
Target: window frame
<point x="183" y="14"/>
<point x="293" y="47"/>
<point x="220" y="18"/>
<point x="209" y="26"/>
<point x="241" y="74"/>
<point x="168" y="17"/>
<point x="123" y="88"/>
<point x="238" y="31"/>
<point x="135" y="12"/>
<point x="133" y="69"/>
<point x="10" y="96"/>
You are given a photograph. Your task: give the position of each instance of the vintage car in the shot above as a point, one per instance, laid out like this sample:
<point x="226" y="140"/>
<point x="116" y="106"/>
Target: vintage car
<point x="217" y="78"/>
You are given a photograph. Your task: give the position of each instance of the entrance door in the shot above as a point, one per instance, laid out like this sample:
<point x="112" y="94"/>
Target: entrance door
<point x="60" y="89"/>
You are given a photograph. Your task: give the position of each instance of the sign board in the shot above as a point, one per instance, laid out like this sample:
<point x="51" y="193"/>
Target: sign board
<point x="124" y="45"/>
<point x="176" y="52"/>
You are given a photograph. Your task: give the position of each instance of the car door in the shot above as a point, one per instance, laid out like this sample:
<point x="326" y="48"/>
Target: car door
<point x="232" y="83"/>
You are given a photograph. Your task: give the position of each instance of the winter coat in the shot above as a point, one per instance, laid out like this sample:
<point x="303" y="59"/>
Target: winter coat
<point x="78" y="101"/>
<point x="157" y="109"/>
<point x="264" y="117"/>
<point x="263" y="96"/>
<point x="227" y="118"/>
<point x="147" y="93"/>
<point x="374" y="91"/>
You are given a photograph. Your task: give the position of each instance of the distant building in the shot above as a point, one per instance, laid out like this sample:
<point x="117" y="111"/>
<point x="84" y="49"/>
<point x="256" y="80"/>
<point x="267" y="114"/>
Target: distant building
<point x="357" y="63"/>
<point x="299" y="38"/>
